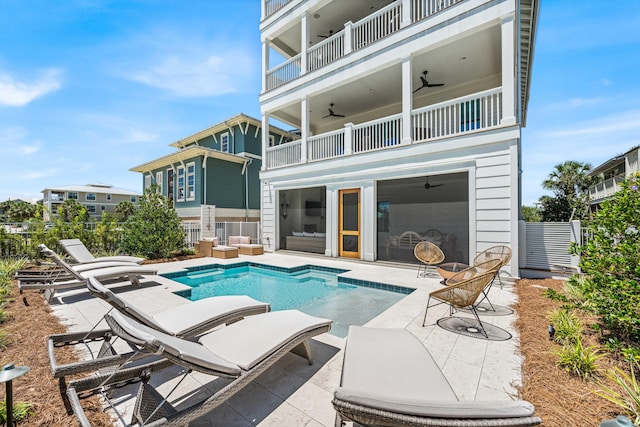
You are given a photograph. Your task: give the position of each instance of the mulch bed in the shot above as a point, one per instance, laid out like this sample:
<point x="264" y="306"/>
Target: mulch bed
<point x="560" y="399"/>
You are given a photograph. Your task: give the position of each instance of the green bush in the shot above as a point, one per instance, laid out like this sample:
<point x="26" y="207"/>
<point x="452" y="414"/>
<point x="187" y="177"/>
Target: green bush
<point x="21" y="410"/>
<point x="154" y="230"/>
<point x="577" y="360"/>
<point x="627" y="392"/>
<point x="611" y="264"/>
<point x="567" y="325"/>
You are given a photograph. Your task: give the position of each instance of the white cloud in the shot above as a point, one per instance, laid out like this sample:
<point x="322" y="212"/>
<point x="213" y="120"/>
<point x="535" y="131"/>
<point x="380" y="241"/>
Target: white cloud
<point x="578" y="103"/>
<point x="13" y="142"/>
<point x="16" y="93"/>
<point x="608" y="126"/>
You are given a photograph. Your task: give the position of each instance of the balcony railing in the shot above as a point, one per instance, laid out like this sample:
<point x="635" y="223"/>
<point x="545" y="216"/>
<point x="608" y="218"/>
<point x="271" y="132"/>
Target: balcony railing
<point x="284" y="72"/>
<point x="326" y="52"/>
<point x="607" y="188"/>
<point x="472" y="113"/>
<point x="272" y="6"/>
<point x="478" y="111"/>
<point x="373" y="28"/>
<point x="284" y="155"/>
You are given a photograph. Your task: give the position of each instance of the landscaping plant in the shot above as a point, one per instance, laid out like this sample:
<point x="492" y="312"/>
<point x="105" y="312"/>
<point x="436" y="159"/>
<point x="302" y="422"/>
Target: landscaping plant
<point x="610" y="262"/>
<point x="627" y="396"/>
<point x="154" y="230"/>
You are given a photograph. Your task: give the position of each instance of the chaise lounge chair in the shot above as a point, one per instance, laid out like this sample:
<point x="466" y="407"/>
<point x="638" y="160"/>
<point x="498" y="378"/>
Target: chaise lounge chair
<point x="182" y="321"/>
<point x="390" y="379"/>
<point x="80" y="278"/>
<point x="78" y="251"/>
<point x="240" y="351"/>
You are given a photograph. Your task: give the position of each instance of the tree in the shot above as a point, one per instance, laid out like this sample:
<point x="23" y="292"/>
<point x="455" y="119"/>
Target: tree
<point x="17" y="210"/>
<point x="71" y="210"/>
<point x="570" y="183"/>
<point x="124" y="210"/>
<point x="154" y="230"/>
<point x="610" y="262"/>
<point x="531" y="214"/>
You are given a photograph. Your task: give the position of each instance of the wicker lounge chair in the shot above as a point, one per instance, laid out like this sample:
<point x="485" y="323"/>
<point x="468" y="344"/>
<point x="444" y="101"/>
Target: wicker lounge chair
<point x="462" y="295"/>
<point x="78" y="251"/>
<point x="183" y="321"/>
<point x="429" y="255"/>
<point x="390" y="379"/>
<point x="493" y="265"/>
<point x="240" y="351"/>
<point x="131" y="271"/>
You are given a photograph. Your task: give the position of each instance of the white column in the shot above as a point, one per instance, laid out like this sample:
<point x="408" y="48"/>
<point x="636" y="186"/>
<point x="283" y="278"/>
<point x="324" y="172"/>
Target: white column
<point x="304" y="28"/>
<point x="348" y="37"/>
<point x="348" y="139"/>
<point x="265" y="140"/>
<point x="407" y="101"/>
<point x="304" y="130"/>
<point x="406" y="13"/>
<point x="508" y="71"/>
<point x="265" y="64"/>
<point x="263" y="9"/>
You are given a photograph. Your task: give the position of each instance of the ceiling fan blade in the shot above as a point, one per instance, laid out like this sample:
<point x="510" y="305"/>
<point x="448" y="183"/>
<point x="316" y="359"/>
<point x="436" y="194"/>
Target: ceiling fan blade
<point x="435" y="84"/>
<point x="338" y="115"/>
<point x="436" y="185"/>
<point x="328" y="115"/>
<point x="421" y="87"/>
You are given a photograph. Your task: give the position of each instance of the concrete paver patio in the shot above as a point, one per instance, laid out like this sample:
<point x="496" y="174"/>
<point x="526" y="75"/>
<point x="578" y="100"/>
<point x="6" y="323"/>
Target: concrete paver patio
<point x="295" y="393"/>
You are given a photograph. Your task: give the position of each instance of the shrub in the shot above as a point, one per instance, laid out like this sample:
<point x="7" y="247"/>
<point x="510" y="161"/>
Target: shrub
<point x="567" y="325"/>
<point x="627" y="393"/>
<point x="611" y="264"/>
<point x="21" y="410"/>
<point x="154" y="230"/>
<point x="577" y="360"/>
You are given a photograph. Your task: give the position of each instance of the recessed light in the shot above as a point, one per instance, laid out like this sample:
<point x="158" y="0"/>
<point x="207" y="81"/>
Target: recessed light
<point x="316" y="15"/>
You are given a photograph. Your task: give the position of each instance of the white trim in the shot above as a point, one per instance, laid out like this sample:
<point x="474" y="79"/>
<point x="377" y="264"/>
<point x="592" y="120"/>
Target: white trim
<point x="86" y="197"/>
<point x="190" y="188"/>
<point x="225" y="136"/>
<point x="181" y="188"/>
<point x="159" y="180"/>
<point x="147" y="181"/>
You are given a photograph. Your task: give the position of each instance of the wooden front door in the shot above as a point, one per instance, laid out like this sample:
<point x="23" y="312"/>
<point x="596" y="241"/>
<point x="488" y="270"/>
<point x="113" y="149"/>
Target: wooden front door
<point x="349" y="223"/>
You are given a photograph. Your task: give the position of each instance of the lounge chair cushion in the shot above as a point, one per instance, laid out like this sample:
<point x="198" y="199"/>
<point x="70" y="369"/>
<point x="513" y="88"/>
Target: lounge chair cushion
<point x="248" y="342"/>
<point x="390" y="369"/>
<point x="81" y="254"/>
<point x="189" y="351"/>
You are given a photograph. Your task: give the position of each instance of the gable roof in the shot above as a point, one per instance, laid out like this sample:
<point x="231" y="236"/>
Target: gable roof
<point x="238" y="120"/>
<point x="185" y="154"/>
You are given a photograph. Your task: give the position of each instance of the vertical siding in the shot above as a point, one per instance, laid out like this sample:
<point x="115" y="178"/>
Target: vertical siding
<point x="547" y="244"/>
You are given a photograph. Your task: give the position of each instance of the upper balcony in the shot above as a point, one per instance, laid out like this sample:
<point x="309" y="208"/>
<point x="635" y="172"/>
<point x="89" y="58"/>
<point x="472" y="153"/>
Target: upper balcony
<point x="607" y="188"/>
<point x="329" y="37"/>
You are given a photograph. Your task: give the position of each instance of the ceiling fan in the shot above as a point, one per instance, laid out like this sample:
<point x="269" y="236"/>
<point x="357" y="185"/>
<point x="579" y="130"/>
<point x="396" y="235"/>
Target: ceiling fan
<point x="425" y="83"/>
<point x="428" y="186"/>
<point x="325" y="37"/>
<point x="331" y="113"/>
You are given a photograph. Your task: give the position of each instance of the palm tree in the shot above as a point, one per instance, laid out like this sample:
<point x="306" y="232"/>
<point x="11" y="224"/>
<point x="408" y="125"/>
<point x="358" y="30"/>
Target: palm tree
<point x="570" y="183"/>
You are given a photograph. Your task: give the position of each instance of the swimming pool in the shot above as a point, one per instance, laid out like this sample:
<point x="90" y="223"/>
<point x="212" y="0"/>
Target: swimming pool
<point x="315" y="290"/>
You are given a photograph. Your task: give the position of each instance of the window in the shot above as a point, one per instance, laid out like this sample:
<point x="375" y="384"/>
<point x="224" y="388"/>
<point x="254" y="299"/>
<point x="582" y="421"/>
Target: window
<point x="90" y="196"/>
<point x="180" y="194"/>
<point x="191" y="181"/>
<point x="147" y="181"/>
<point x="133" y="199"/>
<point x="272" y="140"/>
<point x="108" y="197"/>
<point x="159" y="181"/>
<point x="91" y="209"/>
<point x="224" y="142"/>
<point x="72" y="195"/>
<point x="103" y="208"/>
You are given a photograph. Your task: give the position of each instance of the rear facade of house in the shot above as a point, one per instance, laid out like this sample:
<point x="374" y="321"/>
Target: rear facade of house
<point x="409" y="116"/>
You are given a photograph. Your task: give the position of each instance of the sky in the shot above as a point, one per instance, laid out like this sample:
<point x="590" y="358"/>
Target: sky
<point x="91" y="88"/>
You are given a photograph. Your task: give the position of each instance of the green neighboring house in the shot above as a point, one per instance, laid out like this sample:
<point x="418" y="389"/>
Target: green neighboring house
<point x="216" y="169"/>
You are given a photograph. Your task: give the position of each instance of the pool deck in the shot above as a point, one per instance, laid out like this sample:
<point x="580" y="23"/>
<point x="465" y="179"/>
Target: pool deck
<point x="297" y="394"/>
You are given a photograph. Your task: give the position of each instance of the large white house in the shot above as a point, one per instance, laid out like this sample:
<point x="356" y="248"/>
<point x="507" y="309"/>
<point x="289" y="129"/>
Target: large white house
<point x="409" y="114"/>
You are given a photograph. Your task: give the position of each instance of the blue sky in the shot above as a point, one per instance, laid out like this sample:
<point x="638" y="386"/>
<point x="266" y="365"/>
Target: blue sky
<point x="91" y="88"/>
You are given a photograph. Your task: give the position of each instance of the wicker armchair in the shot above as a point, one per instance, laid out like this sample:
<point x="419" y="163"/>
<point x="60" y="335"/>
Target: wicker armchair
<point x="462" y="295"/>
<point x="429" y="255"/>
<point x="500" y="252"/>
<point x="493" y="266"/>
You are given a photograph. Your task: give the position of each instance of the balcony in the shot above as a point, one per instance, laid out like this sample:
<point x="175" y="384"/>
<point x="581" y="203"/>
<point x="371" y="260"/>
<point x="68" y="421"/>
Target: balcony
<point x="477" y="112"/>
<point x="606" y="189"/>
<point x="353" y="37"/>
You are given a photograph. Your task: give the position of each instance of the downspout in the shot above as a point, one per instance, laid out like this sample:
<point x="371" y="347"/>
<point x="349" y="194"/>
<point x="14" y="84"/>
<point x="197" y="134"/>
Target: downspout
<point x="246" y="189"/>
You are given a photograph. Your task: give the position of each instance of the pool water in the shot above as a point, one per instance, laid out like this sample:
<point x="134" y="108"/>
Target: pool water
<point x="313" y="291"/>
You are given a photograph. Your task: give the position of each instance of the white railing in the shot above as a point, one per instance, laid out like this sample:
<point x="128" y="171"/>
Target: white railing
<point x="421" y="9"/>
<point x="607" y="188"/>
<point x="326" y="52"/>
<point x="284" y="72"/>
<point x="376" y="26"/>
<point x="286" y="154"/>
<point x="376" y="134"/>
<point x="222" y="231"/>
<point x="326" y="146"/>
<point x="469" y="113"/>
<point x="272" y="6"/>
